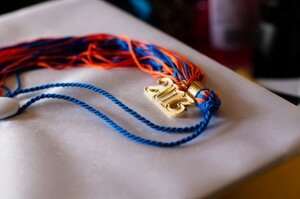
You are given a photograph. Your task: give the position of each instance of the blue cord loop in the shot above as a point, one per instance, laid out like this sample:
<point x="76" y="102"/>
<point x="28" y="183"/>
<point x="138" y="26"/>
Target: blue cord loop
<point x="7" y="91"/>
<point x="111" y="98"/>
<point x="209" y="105"/>
<point x="116" y="126"/>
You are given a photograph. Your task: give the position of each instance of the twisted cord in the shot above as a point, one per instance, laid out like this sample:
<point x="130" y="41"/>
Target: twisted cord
<point x="206" y="99"/>
<point x="203" y="124"/>
<point x="111" y="98"/>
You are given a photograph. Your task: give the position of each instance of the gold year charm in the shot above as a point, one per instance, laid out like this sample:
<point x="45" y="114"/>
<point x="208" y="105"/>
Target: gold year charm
<point x="169" y="98"/>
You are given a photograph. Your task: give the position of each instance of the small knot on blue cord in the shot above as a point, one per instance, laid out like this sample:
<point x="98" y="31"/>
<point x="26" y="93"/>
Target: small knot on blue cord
<point x="207" y="100"/>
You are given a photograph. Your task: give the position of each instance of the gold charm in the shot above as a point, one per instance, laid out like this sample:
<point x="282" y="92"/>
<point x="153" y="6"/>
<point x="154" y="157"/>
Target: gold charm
<point x="167" y="96"/>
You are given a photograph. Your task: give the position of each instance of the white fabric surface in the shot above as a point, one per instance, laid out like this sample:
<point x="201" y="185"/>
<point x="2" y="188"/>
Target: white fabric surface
<point x="289" y="86"/>
<point x="57" y="150"/>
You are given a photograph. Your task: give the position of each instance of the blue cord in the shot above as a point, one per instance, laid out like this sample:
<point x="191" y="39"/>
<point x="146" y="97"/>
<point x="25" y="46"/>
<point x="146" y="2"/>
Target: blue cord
<point x="7" y="91"/>
<point x="196" y="129"/>
<point x="19" y="83"/>
<point x="117" y="127"/>
<point x="114" y="100"/>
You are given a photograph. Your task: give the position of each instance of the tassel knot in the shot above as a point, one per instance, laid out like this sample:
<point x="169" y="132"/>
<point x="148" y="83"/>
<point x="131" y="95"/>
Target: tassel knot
<point x="207" y="100"/>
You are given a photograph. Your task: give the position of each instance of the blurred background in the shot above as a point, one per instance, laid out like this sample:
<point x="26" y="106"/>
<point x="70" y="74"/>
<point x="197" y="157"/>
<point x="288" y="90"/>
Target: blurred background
<point x="259" y="39"/>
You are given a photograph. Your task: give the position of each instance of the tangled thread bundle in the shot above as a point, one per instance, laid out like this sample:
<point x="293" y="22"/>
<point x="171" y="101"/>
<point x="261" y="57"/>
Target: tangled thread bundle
<point x="101" y="51"/>
<point x="105" y="51"/>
